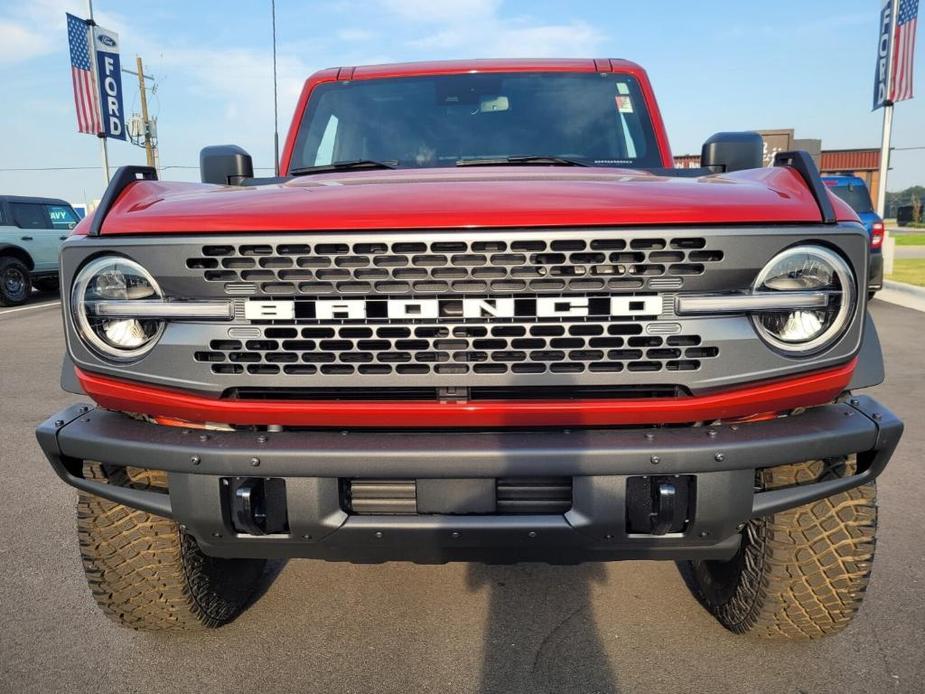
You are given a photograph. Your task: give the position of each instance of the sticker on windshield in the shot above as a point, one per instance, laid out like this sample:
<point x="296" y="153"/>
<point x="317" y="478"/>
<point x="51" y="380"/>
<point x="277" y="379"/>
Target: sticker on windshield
<point x="624" y="104"/>
<point x="623" y="88"/>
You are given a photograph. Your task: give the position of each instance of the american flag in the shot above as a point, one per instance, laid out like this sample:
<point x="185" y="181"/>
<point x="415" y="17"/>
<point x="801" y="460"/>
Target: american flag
<point x="85" y="94"/>
<point x="904" y="50"/>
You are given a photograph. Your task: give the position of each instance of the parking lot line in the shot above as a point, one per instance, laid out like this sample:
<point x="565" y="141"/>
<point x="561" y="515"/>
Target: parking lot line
<point x="29" y="308"/>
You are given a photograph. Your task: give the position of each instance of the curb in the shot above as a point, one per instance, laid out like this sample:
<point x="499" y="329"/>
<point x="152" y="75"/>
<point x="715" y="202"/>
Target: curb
<point x="902" y="294"/>
<point x="916" y="291"/>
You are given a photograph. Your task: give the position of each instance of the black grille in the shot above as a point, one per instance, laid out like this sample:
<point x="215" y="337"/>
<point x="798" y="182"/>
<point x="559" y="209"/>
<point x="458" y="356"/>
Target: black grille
<point x="536" y="348"/>
<point x="487" y="265"/>
<point x="513" y="496"/>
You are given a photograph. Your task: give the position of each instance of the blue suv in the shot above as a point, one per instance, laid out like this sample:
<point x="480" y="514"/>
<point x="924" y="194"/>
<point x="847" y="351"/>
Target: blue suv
<point x="854" y="191"/>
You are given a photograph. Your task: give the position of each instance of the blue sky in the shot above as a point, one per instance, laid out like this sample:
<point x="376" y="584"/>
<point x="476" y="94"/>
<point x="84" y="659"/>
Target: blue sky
<point x="715" y="66"/>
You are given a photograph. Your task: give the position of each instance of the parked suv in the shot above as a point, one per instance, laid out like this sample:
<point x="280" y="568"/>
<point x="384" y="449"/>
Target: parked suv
<point x="853" y="191"/>
<point x="479" y="317"/>
<point x="31" y="233"/>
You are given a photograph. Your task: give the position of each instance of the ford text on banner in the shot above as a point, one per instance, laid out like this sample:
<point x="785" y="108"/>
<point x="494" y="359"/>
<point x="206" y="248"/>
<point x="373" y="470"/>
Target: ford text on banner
<point x="110" y="81"/>
<point x="85" y="101"/>
<point x="884" y="49"/>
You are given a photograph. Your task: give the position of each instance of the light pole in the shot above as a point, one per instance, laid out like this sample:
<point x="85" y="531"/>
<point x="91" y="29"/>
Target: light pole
<point x="275" y="100"/>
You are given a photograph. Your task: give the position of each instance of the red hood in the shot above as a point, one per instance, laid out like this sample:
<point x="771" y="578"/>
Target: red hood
<point x="455" y="198"/>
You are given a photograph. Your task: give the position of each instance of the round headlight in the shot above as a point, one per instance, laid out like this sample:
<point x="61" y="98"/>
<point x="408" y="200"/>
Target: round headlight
<point x="114" y="278"/>
<point x="806" y="269"/>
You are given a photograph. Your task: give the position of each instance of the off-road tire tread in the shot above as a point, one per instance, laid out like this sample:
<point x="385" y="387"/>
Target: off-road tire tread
<point x="805" y="570"/>
<point x="145" y="572"/>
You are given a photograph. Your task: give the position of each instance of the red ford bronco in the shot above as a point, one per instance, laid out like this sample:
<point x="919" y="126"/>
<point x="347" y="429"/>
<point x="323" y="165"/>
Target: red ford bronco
<point x="478" y="317"/>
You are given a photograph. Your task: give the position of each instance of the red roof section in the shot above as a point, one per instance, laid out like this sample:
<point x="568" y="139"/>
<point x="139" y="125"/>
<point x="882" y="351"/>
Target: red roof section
<point x="446" y="67"/>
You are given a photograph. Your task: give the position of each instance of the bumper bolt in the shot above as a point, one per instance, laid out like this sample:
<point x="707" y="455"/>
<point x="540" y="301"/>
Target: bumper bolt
<point x="719" y="457"/>
<point x="650" y="436"/>
<point x="703" y="533"/>
<point x="378" y="534"/>
<point x="255" y="462"/>
<point x="655" y="460"/>
<point x="878" y="416"/>
<point x="532" y="533"/>
<point x="262" y="439"/>
<point x="306" y="536"/>
<point x="855" y="401"/>
<point x="454" y="535"/>
<point x="216" y="534"/>
<point x="712" y="433"/>
<point x="203" y="437"/>
<point x="195" y="460"/>
<point x="59" y="422"/>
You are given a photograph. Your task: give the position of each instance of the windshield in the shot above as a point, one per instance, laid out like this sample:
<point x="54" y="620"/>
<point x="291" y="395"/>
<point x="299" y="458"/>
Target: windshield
<point x="413" y="122"/>
<point x="856" y="196"/>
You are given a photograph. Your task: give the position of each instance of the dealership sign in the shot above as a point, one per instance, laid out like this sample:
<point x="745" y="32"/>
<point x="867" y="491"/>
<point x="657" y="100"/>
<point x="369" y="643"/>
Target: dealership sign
<point x="884" y="48"/>
<point x="109" y="74"/>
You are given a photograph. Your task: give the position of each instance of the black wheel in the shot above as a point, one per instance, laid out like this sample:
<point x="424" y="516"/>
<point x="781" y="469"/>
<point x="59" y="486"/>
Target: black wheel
<point x="46" y="284"/>
<point x="801" y="573"/>
<point x="15" y="285"/>
<point x="146" y="573"/>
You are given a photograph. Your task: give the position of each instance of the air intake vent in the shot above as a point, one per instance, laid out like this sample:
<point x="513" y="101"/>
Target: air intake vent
<point x="534" y="495"/>
<point x="382" y="496"/>
<point x="512" y="496"/>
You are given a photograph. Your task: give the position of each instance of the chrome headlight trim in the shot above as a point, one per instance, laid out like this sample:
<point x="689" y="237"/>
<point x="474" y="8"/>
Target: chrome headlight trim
<point x="82" y="317"/>
<point x="847" y="297"/>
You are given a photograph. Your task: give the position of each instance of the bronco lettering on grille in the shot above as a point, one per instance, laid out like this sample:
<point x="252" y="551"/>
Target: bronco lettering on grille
<point x="409" y="309"/>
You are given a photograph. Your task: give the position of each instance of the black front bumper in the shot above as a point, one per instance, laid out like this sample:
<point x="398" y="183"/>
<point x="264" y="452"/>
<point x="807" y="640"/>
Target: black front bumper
<point x="721" y="460"/>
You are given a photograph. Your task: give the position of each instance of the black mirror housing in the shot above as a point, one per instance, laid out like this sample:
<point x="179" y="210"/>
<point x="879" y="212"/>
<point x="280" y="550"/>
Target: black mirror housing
<point x="732" y="151"/>
<point x="225" y="165"/>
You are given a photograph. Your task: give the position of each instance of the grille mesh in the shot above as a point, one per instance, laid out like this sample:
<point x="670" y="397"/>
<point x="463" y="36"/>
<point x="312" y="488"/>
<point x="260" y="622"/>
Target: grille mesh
<point x="536" y="348"/>
<point x="498" y="266"/>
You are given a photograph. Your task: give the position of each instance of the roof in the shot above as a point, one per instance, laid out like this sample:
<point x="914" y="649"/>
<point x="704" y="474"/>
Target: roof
<point x="849" y="160"/>
<point x="440" y="67"/>
<point x="842" y="179"/>
<point x="38" y="200"/>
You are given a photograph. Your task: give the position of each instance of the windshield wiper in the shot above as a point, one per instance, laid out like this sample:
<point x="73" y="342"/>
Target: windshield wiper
<point x="528" y="160"/>
<point x="344" y="166"/>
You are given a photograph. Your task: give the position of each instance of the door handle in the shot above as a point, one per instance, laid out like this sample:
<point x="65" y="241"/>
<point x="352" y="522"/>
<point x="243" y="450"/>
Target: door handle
<point x="63" y="238"/>
<point x="26" y="238"/>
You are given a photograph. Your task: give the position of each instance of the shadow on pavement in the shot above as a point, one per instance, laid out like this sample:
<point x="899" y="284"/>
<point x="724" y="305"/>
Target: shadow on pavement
<point x="540" y="634"/>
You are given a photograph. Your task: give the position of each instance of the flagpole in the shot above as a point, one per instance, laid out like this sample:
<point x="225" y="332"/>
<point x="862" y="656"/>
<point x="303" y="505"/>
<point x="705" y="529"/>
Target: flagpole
<point x="887" y="131"/>
<point x="104" y="149"/>
<point x="885" y="137"/>
<point x="275" y="100"/>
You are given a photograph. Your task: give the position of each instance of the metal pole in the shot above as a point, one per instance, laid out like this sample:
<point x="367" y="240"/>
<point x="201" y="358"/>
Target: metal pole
<point x="149" y="154"/>
<point x="275" y="100"/>
<point x="885" y="136"/>
<point x="104" y="150"/>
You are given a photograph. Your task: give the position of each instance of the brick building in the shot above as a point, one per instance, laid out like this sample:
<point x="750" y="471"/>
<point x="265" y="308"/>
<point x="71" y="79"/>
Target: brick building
<point x="864" y="163"/>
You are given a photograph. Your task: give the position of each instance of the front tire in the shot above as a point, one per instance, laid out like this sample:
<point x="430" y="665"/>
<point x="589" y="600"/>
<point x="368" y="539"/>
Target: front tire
<point x="800" y="573"/>
<point x="147" y="573"/>
<point x="15" y="282"/>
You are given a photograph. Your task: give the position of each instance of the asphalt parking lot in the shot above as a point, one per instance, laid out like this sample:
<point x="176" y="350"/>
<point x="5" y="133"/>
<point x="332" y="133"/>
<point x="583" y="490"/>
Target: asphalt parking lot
<point x="320" y="627"/>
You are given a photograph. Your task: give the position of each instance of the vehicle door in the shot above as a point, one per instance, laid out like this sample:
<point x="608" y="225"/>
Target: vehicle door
<point x="36" y="234"/>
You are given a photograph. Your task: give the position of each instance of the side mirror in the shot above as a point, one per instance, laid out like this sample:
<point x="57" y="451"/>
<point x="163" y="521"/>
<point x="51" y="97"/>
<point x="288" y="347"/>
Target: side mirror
<point x="724" y="152"/>
<point x="225" y="165"/>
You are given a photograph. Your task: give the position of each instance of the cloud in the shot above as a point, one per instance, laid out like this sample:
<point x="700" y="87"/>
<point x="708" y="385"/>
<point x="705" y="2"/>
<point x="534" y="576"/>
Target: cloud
<point x="515" y="40"/>
<point x="442" y="11"/>
<point x="37" y="28"/>
<point x="480" y="28"/>
<point x="19" y="43"/>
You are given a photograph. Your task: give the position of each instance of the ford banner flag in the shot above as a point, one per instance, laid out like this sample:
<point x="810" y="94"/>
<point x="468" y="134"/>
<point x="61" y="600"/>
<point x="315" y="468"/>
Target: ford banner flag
<point x="109" y="74"/>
